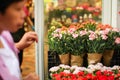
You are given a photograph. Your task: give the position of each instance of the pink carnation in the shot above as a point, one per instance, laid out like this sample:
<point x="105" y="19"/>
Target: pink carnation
<point x="57" y="35"/>
<point x="82" y="33"/>
<point x="92" y="36"/>
<point x="71" y="30"/>
<point x="75" y="35"/>
<point x="117" y="40"/>
<point x="104" y="37"/>
<point x="58" y="30"/>
<point x="115" y="29"/>
<point x="106" y="31"/>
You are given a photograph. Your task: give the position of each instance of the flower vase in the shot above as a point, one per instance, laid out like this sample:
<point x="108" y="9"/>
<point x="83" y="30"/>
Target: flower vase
<point x="64" y="58"/>
<point x="77" y="60"/>
<point x="94" y="58"/>
<point x="107" y="56"/>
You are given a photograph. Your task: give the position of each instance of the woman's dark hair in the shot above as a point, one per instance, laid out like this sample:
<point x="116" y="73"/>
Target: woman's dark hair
<point x="4" y="4"/>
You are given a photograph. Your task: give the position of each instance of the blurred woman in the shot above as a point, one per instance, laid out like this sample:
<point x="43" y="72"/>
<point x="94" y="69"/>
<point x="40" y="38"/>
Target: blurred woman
<point x="11" y="19"/>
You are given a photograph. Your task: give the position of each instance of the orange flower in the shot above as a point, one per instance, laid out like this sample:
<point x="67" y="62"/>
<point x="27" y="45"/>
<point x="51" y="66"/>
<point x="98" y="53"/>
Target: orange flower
<point x="64" y="28"/>
<point x="103" y="27"/>
<point x="81" y="26"/>
<point x="99" y="26"/>
<point x="73" y="26"/>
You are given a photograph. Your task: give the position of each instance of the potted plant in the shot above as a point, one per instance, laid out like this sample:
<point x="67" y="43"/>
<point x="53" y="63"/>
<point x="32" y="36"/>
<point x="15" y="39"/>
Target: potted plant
<point x="95" y="46"/>
<point x="112" y="35"/>
<point x="76" y="45"/>
<point x="57" y="40"/>
<point x="95" y="41"/>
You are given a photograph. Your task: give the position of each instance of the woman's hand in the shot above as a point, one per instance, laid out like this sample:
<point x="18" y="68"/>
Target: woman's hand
<point x="27" y="39"/>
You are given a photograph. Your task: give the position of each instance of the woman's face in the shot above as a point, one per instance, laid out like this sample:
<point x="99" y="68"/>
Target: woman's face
<point x="13" y="17"/>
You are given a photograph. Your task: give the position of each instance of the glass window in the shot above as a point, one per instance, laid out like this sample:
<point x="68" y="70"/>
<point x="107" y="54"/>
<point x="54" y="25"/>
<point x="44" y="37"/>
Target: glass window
<point x="60" y="13"/>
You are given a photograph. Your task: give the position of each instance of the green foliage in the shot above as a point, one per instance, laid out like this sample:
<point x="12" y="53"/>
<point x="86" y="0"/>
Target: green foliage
<point x="90" y="26"/>
<point x="95" y="46"/>
<point x="77" y="45"/>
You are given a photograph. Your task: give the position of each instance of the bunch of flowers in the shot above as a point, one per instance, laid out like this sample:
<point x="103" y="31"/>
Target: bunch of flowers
<point x="112" y="36"/>
<point x="95" y="40"/>
<point x="92" y="72"/>
<point x="76" y="40"/>
<point x="55" y="24"/>
<point x="101" y="36"/>
<point x="66" y="40"/>
<point x="57" y="40"/>
<point x="84" y="11"/>
<point x="80" y="10"/>
<point x="86" y="37"/>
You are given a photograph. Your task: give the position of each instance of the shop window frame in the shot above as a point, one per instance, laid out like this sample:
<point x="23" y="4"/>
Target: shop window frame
<point x="109" y="16"/>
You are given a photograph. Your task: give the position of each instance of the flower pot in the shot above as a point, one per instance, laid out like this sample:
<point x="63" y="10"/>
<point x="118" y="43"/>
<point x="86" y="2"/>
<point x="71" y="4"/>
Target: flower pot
<point x="107" y="56"/>
<point x="65" y="58"/>
<point x="94" y="58"/>
<point x="77" y="60"/>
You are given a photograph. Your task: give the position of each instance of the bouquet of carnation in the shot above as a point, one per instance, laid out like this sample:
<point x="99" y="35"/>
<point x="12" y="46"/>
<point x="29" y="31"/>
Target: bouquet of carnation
<point x="57" y="40"/>
<point x="111" y="42"/>
<point x="92" y="72"/>
<point x="76" y="41"/>
<point x="59" y="43"/>
<point x="76" y="45"/>
<point x="65" y="39"/>
<point x="95" y="42"/>
<point x="112" y="35"/>
<point x="88" y="37"/>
